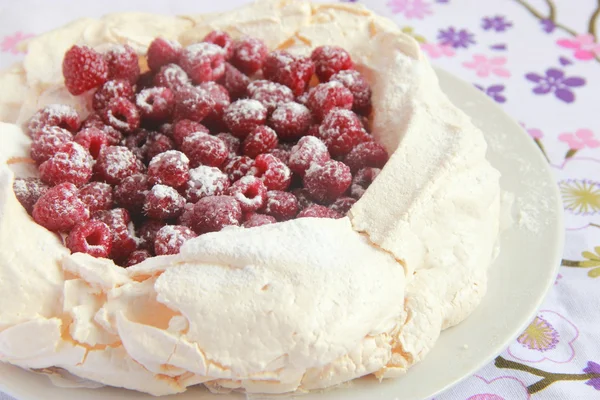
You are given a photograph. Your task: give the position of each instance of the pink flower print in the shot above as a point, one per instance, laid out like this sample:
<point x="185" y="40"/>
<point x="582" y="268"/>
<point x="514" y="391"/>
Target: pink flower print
<point x="584" y="45"/>
<point x="479" y="388"/>
<point x="10" y="43"/>
<point x="484" y="66"/>
<point x="581" y="139"/>
<point x="535" y="133"/>
<point x="410" y="8"/>
<point x="437" y="50"/>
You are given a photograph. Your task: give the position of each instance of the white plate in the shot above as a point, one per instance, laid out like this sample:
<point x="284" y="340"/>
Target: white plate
<point x="519" y="279"/>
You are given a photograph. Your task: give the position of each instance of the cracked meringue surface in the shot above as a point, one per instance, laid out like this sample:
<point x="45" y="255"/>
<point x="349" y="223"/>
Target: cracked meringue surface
<point x="300" y="305"/>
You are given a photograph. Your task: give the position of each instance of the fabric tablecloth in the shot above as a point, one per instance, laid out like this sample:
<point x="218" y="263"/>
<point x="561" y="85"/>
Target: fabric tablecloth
<point x="540" y="61"/>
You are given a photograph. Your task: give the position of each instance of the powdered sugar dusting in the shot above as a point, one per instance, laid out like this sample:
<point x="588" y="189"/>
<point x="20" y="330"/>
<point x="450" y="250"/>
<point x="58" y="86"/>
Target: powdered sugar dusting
<point x="205" y="181"/>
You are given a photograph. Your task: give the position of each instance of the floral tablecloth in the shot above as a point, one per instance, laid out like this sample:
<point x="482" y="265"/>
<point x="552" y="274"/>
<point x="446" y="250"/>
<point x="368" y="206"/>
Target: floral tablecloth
<point x="540" y="60"/>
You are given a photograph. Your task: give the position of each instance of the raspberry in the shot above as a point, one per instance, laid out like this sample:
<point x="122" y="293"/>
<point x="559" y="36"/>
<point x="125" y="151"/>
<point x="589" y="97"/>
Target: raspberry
<point x="187" y="216"/>
<point x="203" y="149"/>
<point x="238" y="167"/>
<point x="341" y="130"/>
<point x="292" y="71"/>
<point x="193" y="103"/>
<point x="184" y="128"/>
<point x="163" y="202"/>
<point x="282" y="154"/>
<point x="362" y="180"/>
<point x="359" y="87"/>
<point x="59" y="208"/>
<point x="70" y="163"/>
<point x="342" y="205"/>
<point x="162" y="52"/>
<point x="83" y="69"/>
<point x="242" y="116"/>
<point x="304" y="199"/>
<point x="234" y="81"/>
<point x="48" y="143"/>
<point x="137" y="257"/>
<point x="136" y="141"/>
<point x="58" y="115"/>
<point x="221" y="39"/>
<point x="131" y="192"/>
<point x="211" y="214"/>
<point x="28" y="191"/>
<point x="233" y="144"/>
<point x="330" y="60"/>
<point x="155" y="104"/>
<point x="326" y="96"/>
<point x="166" y="129"/>
<point x="281" y="205"/>
<point x="122" y="63"/>
<point x="116" y="163"/>
<point x="155" y="144"/>
<point x="171" y="168"/>
<point x="170" y="239"/>
<point x="146" y="232"/>
<point x="250" y="192"/>
<point x="254" y="219"/>
<point x="309" y="150"/>
<point x="203" y="62"/>
<point x="95" y="121"/>
<point x="328" y="181"/>
<point x="270" y="94"/>
<point x="205" y="181"/>
<point x="92" y="139"/>
<point x="97" y="196"/>
<point x="111" y="90"/>
<point x="221" y="100"/>
<point x="261" y="140"/>
<point x="303" y="98"/>
<point x="123" y="241"/>
<point x="274" y="173"/>
<point x="90" y="237"/>
<point x="121" y="114"/>
<point x="369" y="154"/>
<point x="249" y="54"/>
<point x="172" y="76"/>
<point x="291" y="121"/>
<point x="317" y="211"/>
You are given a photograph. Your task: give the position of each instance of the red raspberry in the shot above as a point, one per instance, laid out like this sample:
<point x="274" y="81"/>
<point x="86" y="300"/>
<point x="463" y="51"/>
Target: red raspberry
<point x="281" y="205"/>
<point x="163" y="202"/>
<point x="137" y="257"/>
<point x="328" y="181"/>
<point x="166" y="129"/>
<point x="48" y="143"/>
<point x="83" y="69"/>
<point x="342" y="205"/>
<point x="123" y="241"/>
<point x="59" y="208"/>
<point x="304" y="199"/>
<point x="249" y="54"/>
<point x="122" y="63"/>
<point x="341" y="130"/>
<point x="171" y="238"/>
<point x="317" y="211"/>
<point x="95" y="121"/>
<point x="172" y="76"/>
<point x="116" y="163"/>
<point x="58" y="115"/>
<point x="93" y="140"/>
<point x="292" y="71"/>
<point x="360" y="88"/>
<point x="97" y="196"/>
<point x="155" y="144"/>
<point x="242" y="116"/>
<point x="203" y="149"/>
<point x="90" y="237"/>
<point x="171" y="168"/>
<point x="238" y="167"/>
<point x="203" y="62"/>
<point x="282" y="154"/>
<point x="121" y="114"/>
<point x="369" y="154"/>
<point x="205" y="181"/>
<point x="250" y="192"/>
<point x="221" y="100"/>
<point x="146" y="232"/>
<point x="221" y="39"/>
<point x="136" y="141"/>
<point x="111" y="90"/>
<point x="211" y="214"/>
<point x="162" y="52"/>
<point x="234" y="81"/>
<point x="187" y="216"/>
<point x="254" y="219"/>
<point x="233" y="144"/>
<point x="70" y="163"/>
<point x="362" y="180"/>
<point x="272" y="171"/>
<point x="131" y="192"/>
<point x="184" y="128"/>
<point x="270" y="94"/>
<point x="261" y="140"/>
<point x="193" y="103"/>
<point x="28" y="191"/>
<point x="309" y="150"/>
<point x="326" y="96"/>
<point x="155" y="104"/>
<point x="291" y="121"/>
<point x="330" y="60"/>
<point x="303" y="98"/>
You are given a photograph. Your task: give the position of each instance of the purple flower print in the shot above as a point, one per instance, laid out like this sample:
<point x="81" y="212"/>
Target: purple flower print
<point x="499" y="46"/>
<point x="556" y="82"/>
<point x="548" y="25"/>
<point x="593" y="368"/>
<point x="494" y="91"/>
<point x="456" y="38"/>
<point x="498" y="23"/>
<point x="442" y="1"/>
<point x="564" y="61"/>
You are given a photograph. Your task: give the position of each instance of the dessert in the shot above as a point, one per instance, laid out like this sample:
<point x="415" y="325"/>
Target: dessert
<point x="382" y="256"/>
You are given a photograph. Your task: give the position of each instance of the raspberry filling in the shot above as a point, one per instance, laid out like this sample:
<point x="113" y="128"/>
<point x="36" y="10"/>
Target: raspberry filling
<point x="218" y="134"/>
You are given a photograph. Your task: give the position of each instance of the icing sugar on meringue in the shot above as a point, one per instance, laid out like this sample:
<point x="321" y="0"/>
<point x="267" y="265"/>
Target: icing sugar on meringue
<point x="299" y="305"/>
